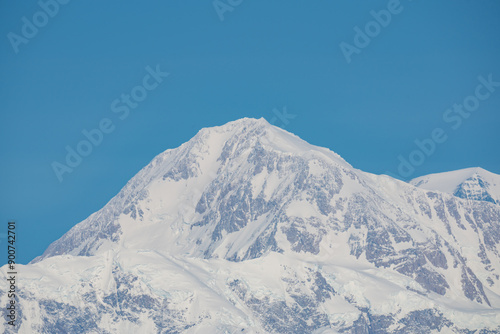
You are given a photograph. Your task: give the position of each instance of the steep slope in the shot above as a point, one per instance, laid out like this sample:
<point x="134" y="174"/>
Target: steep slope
<point x="247" y="228"/>
<point x="470" y="183"/>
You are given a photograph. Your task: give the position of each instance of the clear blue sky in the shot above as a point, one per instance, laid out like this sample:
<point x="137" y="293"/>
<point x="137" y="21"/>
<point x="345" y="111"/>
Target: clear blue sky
<point x="263" y="56"/>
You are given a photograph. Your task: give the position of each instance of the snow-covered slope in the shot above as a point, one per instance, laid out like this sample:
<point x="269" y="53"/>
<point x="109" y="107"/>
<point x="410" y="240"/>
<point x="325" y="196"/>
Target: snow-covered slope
<point x="248" y="229"/>
<point x="470" y="183"/>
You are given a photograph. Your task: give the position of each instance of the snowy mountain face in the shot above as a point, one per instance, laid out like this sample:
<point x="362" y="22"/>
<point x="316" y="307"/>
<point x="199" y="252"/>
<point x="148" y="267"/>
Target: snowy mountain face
<point x="472" y="183"/>
<point x="248" y="229"/>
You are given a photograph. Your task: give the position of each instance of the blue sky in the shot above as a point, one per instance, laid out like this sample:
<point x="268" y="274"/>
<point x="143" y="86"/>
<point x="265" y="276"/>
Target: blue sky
<point x="263" y="58"/>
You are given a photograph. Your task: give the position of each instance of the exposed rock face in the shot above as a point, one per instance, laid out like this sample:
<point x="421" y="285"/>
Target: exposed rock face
<point x="246" y="228"/>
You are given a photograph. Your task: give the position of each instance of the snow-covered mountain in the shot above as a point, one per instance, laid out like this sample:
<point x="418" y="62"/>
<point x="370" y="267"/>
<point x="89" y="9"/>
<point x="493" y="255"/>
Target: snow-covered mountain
<point x="470" y="183"/>
<point x="248" y="229"/>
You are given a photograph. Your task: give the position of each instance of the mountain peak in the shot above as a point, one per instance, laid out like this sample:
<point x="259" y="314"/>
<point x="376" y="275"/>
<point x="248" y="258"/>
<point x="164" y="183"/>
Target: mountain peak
<point x="223" y="155"/>
<point x="261" y="132"/>
<point x="239" y="124"/>
<point x="473" y="183"/>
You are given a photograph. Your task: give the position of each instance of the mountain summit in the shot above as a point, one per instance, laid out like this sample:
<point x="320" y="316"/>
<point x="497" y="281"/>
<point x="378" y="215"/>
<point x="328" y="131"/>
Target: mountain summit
<point x="247" y="228"/>
<point x="248" y="160"/>
<point x="471" y="183"/>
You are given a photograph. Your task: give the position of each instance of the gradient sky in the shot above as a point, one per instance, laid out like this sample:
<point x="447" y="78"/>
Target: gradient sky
<point x="262" y="58"/>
